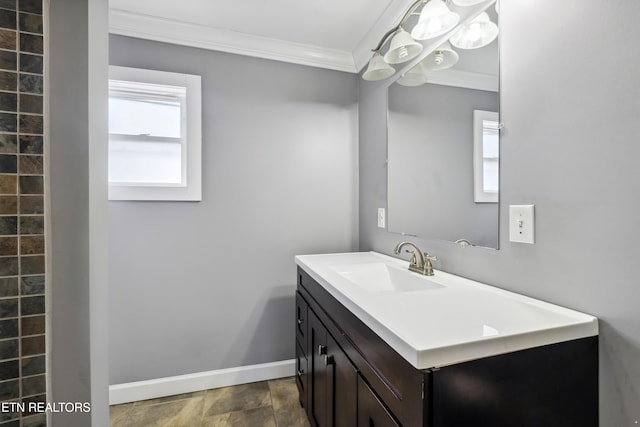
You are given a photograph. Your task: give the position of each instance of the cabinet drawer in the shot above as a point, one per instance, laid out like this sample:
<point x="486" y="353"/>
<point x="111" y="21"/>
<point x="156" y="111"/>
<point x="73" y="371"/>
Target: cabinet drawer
<point x="371" y="411"/>
<point x="301" y="322"/>
<point x="302" y="376"/>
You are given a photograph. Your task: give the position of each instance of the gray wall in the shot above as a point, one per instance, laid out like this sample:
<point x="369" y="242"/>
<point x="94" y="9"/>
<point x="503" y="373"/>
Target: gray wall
<point x="569" y="103"/>
<point x="430" y="169"/>
<point x="210" y="285"/>
<point x="76" y="256"/>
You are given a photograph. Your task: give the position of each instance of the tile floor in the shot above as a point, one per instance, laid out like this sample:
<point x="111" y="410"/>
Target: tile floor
<point x="263" y="404"/>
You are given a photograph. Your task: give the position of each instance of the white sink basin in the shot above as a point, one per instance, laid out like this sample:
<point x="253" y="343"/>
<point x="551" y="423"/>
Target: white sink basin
<point x="441" y="319"/>
<point x="382" y="277"/>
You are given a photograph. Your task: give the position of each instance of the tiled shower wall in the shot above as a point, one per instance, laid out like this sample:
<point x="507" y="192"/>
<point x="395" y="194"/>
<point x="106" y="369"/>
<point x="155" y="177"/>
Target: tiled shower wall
<point x="22" y="241"/>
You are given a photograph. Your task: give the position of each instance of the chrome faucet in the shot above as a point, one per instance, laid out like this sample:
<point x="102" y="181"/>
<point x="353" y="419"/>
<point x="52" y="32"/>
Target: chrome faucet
<point x="419" y="263"/>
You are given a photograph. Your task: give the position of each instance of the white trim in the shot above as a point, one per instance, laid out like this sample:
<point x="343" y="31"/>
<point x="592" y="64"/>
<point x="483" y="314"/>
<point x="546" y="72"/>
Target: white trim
<point x="479" y="193"/>
<point x="187" y="34"/>
<point x="191" y="188"/>
<point x="151" y="389"/>
<point x="465" y="79"/>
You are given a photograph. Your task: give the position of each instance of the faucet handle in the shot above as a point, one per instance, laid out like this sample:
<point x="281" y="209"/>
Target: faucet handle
<point x="428" y="267"/>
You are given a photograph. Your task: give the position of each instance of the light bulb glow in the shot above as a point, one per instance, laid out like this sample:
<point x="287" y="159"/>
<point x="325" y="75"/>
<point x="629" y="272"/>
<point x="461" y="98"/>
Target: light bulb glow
<point x="438" y="57"/>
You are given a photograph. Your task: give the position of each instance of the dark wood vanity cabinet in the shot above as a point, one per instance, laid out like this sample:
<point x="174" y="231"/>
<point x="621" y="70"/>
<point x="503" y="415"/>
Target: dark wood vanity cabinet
<point x="348" y="376"/>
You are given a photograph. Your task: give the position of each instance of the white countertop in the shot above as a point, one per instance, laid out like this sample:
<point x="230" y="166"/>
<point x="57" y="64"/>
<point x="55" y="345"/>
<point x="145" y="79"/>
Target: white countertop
<point x="451" y="320"/>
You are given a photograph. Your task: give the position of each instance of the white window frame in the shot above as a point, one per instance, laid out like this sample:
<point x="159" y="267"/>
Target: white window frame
<point x="480" y="125"/>
<point x="191" y="138"/>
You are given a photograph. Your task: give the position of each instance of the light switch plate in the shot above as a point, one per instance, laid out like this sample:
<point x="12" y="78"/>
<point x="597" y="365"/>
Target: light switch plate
<point x="381" y="218"/>
<point x="522" y="224"/>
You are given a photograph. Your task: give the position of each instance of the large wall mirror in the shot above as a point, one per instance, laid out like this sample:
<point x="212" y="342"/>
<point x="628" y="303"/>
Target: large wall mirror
<point x="443" y="145"/>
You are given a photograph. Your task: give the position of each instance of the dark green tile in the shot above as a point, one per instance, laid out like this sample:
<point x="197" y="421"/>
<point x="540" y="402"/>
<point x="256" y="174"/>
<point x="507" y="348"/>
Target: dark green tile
<point x="33" y="345"/>
<point x="9" y="267"/>
<point x="8" y="122"/>
<point x="31" y="43"/>
<point x="8" y="329"/>
<point x="8" y="19"/>
<point x="29" y="403"/>
<point x="8" y="308"/>
<point x="9" y="225"/>
<point x="8" y="163"/>
<point x="30" y="23"/>
<point x="8" y="143"/>
<point x="8" y="4"/>
<point x="30" y="6"/>
<point x="31" y="144"/>
<point x="8" y="287"/>
<point x="39" y="420"/>
<point x="8" y="349"/>
<point x="32" y="264"/>
<point x="8" y="60"/>
<point x="31" y="224"/>
<point x="31" y="184"/>
<point x="9" y="390"/>
<point x="33" y="385"/>
<point x="30" y="83"/>
<point x="9" y="370"/>
<point x="32" y="285"/>
<point x="14" y="423"/>
<point x="33" y="365"/>
<point x="31" y="305"/>
<point x="30" y="204"/>
<point x="31" y="104"/>
<point x="8" y="101"/>
<point x="31" y="63"/>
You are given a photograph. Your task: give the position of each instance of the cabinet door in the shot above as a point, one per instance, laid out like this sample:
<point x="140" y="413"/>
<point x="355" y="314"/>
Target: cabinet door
<point x="302" y="376"/>
<point x="371" y="411"/>
<point x="317" y="352"/>
<point x="301" y="321"/>
<point x="342" y="380"/>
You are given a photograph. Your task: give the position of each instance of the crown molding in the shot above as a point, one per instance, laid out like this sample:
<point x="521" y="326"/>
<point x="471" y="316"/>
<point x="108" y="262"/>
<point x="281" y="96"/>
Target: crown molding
<point x="464" y="79"/>
<point x="186" y="34"/>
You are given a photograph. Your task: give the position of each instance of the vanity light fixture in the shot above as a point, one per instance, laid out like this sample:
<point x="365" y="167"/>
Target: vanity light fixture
<point x="378" y="69"/>
<point x="403" y="48"/>
<point x="435" y="19"/>
<point x="440" y="59"/>
<point x="475" y="34"/>
<point x="414" y="77"/>
<point x="467" y="2"/>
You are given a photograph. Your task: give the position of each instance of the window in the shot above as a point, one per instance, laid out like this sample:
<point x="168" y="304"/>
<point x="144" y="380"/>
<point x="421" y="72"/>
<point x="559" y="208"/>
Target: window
<point x="154" y="135"/>
<point x="486" y="156"/>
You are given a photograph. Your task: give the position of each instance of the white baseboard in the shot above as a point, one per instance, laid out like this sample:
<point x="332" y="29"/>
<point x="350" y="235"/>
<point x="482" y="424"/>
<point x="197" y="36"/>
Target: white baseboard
<point x="151" y="389"/>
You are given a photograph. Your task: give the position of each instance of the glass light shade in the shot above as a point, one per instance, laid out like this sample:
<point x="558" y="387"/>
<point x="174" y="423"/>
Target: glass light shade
<point x="475" y="34"/>
<point x="497" y="6"/>
<point x="413" y="77"/>
<point x="467" y="2"/>
<point x="435" y="20"/>
<point x="403" y="48"/>
<point x="378" y="69"/>
<point x="440" y="59"/>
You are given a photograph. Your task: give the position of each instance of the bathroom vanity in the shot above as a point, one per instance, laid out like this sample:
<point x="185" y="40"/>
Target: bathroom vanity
<point x="377" y="345"/>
